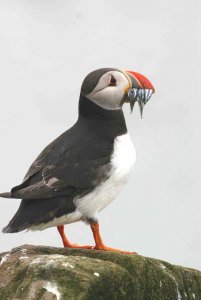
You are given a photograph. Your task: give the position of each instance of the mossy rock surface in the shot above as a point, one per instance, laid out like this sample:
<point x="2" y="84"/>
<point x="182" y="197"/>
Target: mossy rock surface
<point x="47" y="273"/>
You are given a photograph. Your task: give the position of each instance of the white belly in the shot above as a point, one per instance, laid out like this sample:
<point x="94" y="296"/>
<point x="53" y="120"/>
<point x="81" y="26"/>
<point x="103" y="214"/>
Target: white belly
<point x="123" y="160"/>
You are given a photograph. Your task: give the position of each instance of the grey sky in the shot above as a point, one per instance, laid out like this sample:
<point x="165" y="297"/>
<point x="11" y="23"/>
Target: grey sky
<point x="46" y="49"/>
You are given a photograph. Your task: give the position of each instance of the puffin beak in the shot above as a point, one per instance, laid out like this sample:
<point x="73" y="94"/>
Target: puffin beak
<point x="140" y="90"/>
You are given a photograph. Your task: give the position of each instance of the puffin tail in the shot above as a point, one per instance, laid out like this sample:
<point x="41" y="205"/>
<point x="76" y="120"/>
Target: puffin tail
<point x="7" y="229"/>
<point x="5" y="195"/>
<point x="14" y="226"/>
<point x="10" y="229"/>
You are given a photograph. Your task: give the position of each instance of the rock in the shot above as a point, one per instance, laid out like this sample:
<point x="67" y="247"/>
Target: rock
<point x="47" y="273"/>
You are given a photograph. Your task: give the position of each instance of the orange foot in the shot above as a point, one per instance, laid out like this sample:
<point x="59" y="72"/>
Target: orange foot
<point x="75" y="246"/>
<point x="100" y="244"/>
<point x="105" y="248"/>
<point x="67" y="243"/>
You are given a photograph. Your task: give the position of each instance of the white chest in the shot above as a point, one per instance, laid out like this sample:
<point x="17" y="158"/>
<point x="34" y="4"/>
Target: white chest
<point x="122" y="161"/>
<point x="123" y="158"/>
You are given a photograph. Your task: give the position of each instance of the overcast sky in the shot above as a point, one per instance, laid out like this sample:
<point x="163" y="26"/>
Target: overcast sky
<point x="47" y="47"/>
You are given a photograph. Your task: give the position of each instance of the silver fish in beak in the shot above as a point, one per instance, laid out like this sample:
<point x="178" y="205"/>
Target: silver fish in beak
<point x="141" y="90"/>
<point x="141" y="96"/>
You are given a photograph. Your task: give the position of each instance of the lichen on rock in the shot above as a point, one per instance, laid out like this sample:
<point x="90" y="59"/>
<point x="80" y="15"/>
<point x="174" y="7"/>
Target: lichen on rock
<point x="40" y="272"/>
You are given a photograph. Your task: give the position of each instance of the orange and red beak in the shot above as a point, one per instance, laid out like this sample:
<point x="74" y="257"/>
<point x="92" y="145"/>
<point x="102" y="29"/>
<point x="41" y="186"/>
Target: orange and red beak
<point x="140" y="90"/>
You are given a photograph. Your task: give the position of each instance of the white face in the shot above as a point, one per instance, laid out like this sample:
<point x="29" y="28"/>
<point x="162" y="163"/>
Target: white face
<point x="110" y="90"/>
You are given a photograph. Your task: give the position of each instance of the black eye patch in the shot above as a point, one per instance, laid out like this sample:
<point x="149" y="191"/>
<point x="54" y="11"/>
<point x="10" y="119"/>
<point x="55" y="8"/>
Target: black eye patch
<point x="113" y="81"/>
<point x="92" y="79"/>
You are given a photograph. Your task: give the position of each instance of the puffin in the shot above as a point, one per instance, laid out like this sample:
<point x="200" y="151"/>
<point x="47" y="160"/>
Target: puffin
<point x="81" y="172"/>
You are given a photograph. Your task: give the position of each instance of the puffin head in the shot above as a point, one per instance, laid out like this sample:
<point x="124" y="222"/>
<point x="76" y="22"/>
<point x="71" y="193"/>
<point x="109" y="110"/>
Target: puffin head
<point x="110" y="88"/>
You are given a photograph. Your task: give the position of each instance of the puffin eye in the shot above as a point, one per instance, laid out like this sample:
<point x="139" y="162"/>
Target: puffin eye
<point x="113" y="81"/>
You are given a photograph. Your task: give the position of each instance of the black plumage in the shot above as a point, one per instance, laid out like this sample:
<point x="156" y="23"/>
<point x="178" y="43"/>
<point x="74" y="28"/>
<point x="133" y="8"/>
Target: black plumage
<point x="79" y="159"/>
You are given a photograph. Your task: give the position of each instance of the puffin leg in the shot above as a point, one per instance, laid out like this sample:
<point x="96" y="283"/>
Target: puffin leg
<point x="66" y="242"/>
<point x="99" y="242"/>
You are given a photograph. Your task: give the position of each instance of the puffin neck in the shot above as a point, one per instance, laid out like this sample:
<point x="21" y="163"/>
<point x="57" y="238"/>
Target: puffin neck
<point x="111" y="121"/>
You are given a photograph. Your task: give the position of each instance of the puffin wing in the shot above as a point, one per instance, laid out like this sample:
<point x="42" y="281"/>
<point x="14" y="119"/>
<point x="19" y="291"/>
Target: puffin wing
<point x="59" y="181"/>
<point x="73" y="160"/>
<point x="50" y="154"/>
<point x="82" y="175"/>
<point x="34" y="191"/>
